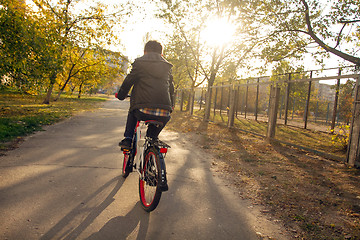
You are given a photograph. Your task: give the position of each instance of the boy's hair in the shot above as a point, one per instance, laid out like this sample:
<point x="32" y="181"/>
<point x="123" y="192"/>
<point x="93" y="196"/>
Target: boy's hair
<point x="153" y="46"/>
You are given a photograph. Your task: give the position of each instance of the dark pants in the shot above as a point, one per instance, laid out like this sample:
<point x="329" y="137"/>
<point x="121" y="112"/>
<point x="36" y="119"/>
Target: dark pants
<point x="152" y="130"/>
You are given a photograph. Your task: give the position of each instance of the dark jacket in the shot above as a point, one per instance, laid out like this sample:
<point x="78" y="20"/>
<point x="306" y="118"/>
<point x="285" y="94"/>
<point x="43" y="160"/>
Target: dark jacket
<point x="152" y="83"/>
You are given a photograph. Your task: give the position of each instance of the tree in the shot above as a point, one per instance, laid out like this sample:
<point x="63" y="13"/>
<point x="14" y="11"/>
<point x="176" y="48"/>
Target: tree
<point x="24" y="46"/>
<point x="88" y="28"/>
<point x="346" y="100"/>
<point x="205" y="61"/>
<point x="296" y="27"/>
<point x="81" y="60"/>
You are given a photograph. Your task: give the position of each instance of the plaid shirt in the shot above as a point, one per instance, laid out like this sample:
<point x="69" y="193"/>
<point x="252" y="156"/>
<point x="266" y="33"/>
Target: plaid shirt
<point x="156" y="111"/>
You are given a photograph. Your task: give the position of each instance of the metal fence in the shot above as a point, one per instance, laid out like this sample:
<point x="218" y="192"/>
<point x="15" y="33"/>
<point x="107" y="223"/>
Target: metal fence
<point x="316" y="100"/>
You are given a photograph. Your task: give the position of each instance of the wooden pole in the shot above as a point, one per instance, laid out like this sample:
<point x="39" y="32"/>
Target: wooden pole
<point x="287" y="96"/>
<point x="216" y="93"/>
<point x="353" y="152"/>
<point x="306" y="113"/>
<point x="231" y="117"/>
<point x="336" y="100"/>
<point x="246" y="97"/>
<point x="273" y="110"/>
<point x="257" y="99"/>
<point x="221" y="97"/>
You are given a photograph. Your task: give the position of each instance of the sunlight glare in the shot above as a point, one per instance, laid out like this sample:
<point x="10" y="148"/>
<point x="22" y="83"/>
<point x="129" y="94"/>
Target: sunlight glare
<point x="218" y="32"/>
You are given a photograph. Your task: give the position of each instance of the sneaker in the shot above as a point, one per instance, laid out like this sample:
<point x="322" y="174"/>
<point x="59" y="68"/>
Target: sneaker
<point x="125" y="143"/>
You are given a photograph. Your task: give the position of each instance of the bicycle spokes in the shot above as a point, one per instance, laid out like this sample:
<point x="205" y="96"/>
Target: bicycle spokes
<point x="149" y="191"/>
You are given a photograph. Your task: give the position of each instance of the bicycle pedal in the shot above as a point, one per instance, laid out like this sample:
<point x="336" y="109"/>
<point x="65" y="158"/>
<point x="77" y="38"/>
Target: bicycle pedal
<point x="126" y="150"/>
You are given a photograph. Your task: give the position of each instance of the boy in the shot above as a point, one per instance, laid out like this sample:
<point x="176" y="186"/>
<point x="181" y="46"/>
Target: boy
<point x="152" y="96"/>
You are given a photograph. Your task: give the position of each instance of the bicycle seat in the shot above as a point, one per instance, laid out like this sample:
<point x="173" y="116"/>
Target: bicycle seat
<point x="154" y="122"/>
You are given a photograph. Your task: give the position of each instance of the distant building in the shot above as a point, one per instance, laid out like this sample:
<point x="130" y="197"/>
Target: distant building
<point x="325" y="92"/>
<point x="113" y="59"/>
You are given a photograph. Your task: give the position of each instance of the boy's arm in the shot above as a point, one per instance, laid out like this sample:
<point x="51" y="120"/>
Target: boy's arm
<point x="128" y="83"/>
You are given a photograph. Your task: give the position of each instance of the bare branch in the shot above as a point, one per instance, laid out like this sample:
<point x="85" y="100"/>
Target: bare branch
<point x="343" y="55"/>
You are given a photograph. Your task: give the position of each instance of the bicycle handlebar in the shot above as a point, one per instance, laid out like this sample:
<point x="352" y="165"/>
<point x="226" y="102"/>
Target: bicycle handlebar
<point x="116" y="94"/>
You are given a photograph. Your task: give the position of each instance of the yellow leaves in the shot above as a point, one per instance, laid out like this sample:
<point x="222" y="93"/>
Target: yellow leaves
<point x="341" y="137"/>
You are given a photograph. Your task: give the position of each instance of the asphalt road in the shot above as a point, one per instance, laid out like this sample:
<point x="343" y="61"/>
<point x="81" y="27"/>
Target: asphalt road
<point x="65" y="183"/>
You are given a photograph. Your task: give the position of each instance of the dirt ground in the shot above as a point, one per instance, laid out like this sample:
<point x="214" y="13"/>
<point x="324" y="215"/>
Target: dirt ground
<point x="315" y="198"/>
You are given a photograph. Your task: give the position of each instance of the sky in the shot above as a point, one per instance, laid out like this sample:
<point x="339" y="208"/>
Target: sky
<point x="133" y="34"/>
<point x="140" y="25"/>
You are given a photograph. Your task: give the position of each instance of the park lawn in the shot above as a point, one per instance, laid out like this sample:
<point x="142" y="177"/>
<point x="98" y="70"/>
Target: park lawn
<point x="318" y="141"/>
<point x="22" y="114"/>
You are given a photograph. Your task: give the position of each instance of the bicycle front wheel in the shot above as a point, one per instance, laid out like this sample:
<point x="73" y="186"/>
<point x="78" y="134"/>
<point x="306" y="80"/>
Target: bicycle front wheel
<point x="149" y="189"/>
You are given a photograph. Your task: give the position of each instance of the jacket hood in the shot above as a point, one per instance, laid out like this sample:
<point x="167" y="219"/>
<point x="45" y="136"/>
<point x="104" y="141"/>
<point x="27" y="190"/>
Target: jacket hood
<point x="154" y="64"/>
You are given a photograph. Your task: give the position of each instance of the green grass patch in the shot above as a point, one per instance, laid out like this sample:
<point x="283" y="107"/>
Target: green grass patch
<point x="22" y="114"/>
<point x="316" y="140"/>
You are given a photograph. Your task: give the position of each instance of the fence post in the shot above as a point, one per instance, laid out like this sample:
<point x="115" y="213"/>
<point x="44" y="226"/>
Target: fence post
<point x="215" y="101"/>
<point x="353" y="152"/>
<point x="273" y="110"/>
<point x="246" y="97"/>
<point x="221" y="97"/>
<point x="237" y="96"/>
<point x="257" y="99"/>
<point x="306" y="114"/>
<point x="287" y="99"/>
<point x="228" y="104"/>
<point x="293" y="109"/>
<point x="231" y="117"/>
<point x="333" y="120"/>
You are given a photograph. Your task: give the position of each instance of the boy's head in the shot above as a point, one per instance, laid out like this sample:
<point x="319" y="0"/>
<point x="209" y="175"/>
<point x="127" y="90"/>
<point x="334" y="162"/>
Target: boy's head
<point x="153" y="46"/>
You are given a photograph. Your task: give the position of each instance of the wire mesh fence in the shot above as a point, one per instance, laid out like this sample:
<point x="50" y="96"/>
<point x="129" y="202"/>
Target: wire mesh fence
<point x="316" y="100"/>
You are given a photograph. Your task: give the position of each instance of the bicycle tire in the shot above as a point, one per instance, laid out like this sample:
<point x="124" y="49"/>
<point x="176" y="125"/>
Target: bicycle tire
<point x="149" y="189"/>
<point x="126" y="168"/>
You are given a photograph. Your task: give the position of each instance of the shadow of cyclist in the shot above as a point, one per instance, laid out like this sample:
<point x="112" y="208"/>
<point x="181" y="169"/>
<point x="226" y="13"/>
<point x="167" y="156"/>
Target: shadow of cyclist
<point x="64" y="223"/>
<point x="134" y="224"/>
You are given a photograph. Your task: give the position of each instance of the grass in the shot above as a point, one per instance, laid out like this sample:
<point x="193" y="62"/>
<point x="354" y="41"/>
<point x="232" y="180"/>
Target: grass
<point x="22" y="114"/>
<point x="311" y="139"/>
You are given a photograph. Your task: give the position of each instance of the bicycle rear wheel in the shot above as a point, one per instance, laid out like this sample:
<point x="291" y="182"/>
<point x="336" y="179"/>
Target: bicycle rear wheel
<point x="149" y="189"/>
<point x="126" y="168"/>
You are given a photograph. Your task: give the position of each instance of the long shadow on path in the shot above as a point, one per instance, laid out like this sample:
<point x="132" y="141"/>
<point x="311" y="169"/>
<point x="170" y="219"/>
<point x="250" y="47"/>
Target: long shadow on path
<point x="62" y="227"/>
<point x="135" y="222"/>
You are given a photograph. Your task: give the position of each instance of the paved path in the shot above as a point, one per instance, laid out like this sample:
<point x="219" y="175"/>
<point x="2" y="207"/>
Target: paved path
<point x="65" y="183"/>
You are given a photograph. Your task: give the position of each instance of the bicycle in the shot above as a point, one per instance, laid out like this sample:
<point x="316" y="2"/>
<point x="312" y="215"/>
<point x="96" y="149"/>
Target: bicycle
<point x="147" y="157"/>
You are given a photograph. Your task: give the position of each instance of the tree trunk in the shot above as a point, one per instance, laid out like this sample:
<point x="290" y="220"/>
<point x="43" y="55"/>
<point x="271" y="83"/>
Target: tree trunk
<point x="80" y="87"/>
<point x="61" y="90"/>
<point x="50" y="89"/>
<point x="207" y="103"/>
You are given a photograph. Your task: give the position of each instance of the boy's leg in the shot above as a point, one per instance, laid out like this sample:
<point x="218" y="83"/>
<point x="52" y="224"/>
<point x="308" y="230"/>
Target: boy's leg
<point x="130" y="125"/>
<point x="152" y="130"/>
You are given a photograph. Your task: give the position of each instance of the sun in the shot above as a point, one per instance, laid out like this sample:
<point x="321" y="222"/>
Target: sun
<point x="218" y="32"/>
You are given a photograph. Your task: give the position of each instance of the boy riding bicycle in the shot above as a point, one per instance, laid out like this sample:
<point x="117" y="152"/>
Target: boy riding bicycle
<point x="152" y="96"/>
